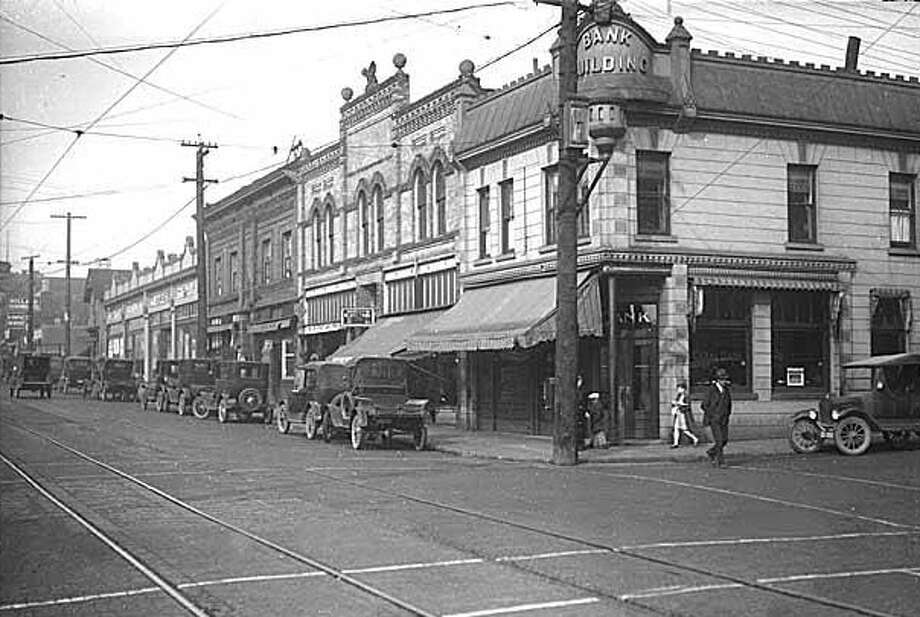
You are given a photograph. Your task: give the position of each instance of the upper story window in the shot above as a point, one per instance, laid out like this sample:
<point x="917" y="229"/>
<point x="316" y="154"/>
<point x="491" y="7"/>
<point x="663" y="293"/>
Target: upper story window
<point x="803" y="220"/>
<point x="287" y="255"/>
<point x="366" y="235"/>
<point x="318" y="234"/>
<point x="330" y="234"/>
<point x="506" y="195"/>
<point x="550" y="203"/>
<point x="266" y="261"/>
<point x="379" y="213"/>
<point x="583" y="222"/>
<point x="902" y="209"/>
<point x="420" y="193"/>
<point x="218" y="277"/>
<point x="483" y="221"/>
<point x="653" y="193"/>
<point x="234" y="272"/>
<point x="440" y="197"/>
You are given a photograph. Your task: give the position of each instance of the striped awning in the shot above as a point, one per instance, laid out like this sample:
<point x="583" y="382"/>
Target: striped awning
<point x="511" y="315"/>
<point x="760" y="279"/>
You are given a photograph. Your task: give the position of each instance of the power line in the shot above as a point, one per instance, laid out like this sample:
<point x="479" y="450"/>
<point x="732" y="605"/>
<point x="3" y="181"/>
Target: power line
<point x="889" y="28"/>
<point x="188" y="42"/>
<point x="103" y="115"/>
<point x="519" y="47"/>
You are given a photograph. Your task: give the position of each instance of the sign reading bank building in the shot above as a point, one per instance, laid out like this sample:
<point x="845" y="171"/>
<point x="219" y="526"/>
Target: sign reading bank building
<point x="612" y="49"/>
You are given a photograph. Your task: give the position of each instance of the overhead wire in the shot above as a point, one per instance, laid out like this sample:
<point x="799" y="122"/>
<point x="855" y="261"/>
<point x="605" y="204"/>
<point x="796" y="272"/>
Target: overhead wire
<point x="77" y="137"/>
<point x="889" y="28"/>
<point x="189" y="42"/>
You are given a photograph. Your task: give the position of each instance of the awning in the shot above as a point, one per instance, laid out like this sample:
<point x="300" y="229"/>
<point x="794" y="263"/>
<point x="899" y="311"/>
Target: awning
<point x="220" y="328"/>
<point x="517" y="314"/>
<point x="271" y="326"/>
<point x="760" y="279"/>
<point x="889" y="360"/>
<point x="386" y="337"/>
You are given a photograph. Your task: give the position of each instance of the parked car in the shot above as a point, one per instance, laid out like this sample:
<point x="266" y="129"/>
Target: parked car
<point x="375" y="402"/>
<point x="315" y="383"/>
<point x="891" y="407"/>
<point x="182" y="383"/>
<point x="240" y="391"/>
<point x="31" y="372"/>
<point x="77" y="370"/>
<point x="148" y="390"/>
<point x="111" y="379"/>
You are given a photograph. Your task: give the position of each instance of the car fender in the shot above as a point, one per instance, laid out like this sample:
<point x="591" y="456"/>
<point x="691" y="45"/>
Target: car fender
<point x="805" y="414"/>
<point x="417" y="405"/>
<point x="850" y="412"/>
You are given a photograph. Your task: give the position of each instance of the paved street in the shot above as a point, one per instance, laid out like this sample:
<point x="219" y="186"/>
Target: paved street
<point x="239" y="520"/>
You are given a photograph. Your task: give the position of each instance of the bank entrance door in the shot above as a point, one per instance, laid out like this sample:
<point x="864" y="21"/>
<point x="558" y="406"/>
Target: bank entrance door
<point x="637" y="371"/>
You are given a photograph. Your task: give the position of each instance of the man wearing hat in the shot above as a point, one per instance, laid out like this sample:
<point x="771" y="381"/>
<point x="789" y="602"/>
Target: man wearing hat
<point x="717" y="407"/>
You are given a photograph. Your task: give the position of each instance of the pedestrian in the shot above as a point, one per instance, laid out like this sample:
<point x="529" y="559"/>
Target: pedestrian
<point x="717" y="407"/>
<point x="680" y="409"/>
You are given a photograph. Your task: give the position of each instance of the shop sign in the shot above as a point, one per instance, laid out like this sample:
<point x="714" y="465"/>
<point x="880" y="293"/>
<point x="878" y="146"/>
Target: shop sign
<point x="358" y="316"/>
<point x="637" y="315"/>
<point x="612" y="48"/>
<point x="795" y="376"/>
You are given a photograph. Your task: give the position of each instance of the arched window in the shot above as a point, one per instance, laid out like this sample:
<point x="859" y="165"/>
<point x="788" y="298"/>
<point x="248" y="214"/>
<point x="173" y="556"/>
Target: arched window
<point x="379" y="212"/>
<point x="317" y="240"/>
<point x="420" y="191"/>
<point x="366" y="236"/>
<point x="440" y="197"/>
<point x="330" y="233"/>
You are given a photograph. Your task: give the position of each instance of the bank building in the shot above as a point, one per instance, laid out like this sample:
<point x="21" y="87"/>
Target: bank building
<point x="752" y="214"/>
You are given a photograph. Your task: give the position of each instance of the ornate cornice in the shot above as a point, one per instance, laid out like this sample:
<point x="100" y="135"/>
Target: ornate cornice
<point x="426" y="111"/>
<point x="395" y="89"/>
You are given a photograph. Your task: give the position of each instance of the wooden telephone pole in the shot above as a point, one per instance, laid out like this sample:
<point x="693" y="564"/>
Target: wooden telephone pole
<point x="202" y="149"/>
<point x="67" y="263"/>
<point x="30" y="332"/>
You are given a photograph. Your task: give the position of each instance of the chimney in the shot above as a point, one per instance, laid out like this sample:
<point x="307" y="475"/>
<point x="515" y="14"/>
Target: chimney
<point x="852" y="54"/>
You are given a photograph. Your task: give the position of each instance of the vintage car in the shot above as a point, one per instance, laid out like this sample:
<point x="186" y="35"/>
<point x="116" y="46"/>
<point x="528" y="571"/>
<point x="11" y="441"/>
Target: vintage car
<point x="77" y="370"/>
<point x="891" y="407"/>
<point x="111" y="379"/>
<point x="240" y="391"/>
<point x="315" y="383"/>
<point x="185" y="384"/>
<point x="31" y="372"/>
<point x="375" y="402"/>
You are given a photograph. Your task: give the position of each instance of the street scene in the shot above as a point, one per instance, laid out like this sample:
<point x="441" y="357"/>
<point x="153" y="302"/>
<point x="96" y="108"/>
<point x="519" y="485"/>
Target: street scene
<point x="511" y="307"/>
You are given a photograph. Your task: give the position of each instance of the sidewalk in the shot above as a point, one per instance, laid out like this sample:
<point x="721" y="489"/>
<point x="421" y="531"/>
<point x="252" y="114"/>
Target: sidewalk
<point x="534" y="448"/>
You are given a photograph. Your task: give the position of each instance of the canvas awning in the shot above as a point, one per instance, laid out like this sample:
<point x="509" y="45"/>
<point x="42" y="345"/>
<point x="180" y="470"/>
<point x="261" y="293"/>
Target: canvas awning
<point x="761" y="279"/>
<point x="386" y="337"/>
<point x="509" y="315"/>
<point x="888" y="360"/>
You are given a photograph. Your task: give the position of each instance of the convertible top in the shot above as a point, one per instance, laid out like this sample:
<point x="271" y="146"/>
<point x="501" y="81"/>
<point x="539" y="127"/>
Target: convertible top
<point x="898" y="359"/>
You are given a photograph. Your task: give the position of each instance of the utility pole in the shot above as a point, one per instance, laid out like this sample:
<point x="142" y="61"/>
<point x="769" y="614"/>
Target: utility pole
<point x="31" y="330"/>
<point x="564" y="438"/>
<point x="69" y="217"/>
<point x="202" y="149"/>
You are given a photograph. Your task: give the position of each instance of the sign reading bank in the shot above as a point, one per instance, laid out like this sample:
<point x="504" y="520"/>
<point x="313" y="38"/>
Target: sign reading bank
<point x="612" y="49"/>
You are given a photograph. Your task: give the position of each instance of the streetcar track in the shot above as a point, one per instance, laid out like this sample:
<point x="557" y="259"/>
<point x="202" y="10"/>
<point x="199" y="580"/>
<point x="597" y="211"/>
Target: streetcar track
<point x="599" y="547"/>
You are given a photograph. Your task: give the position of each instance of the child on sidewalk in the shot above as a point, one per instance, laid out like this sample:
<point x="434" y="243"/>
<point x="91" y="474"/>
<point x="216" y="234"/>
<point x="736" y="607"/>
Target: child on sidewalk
<point x="680" y="406"/>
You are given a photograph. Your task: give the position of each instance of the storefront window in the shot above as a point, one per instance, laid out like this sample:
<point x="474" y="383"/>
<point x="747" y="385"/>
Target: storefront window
<point x="800" y="342"/>
<point x="721" y="338"/>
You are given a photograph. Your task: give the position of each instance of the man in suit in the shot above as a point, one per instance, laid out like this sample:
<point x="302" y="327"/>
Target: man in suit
<point x="717" y="407"/>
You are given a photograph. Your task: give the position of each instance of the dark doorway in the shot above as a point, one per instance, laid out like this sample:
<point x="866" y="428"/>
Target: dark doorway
<point x="637" y="370"/>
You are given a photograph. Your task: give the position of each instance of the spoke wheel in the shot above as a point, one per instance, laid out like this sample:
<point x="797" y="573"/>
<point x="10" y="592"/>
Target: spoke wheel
<point x="805" y="437"/>
<point x="222" y="414"/>
<point x="852" y="436"/>
<point x="183" y="401"/>
<point x="357" y="433"/>
<point x="310" y="429"/>
<point x="281" y="421"/>
<point x="327" y="428"/>
<point x="200" y="410"/>
<point x="420" y="438"/>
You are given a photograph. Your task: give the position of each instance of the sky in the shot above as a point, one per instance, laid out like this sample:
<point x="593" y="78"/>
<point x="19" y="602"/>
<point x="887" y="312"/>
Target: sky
<point x="256" y="97"/>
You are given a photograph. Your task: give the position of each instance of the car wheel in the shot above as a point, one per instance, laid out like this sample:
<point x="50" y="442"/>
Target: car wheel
<point x="310" y="426"/>
<point x="162" y="405"/>
<point x="805" y="437"/>
<point x="200" y="410"/>
<point x="852" y="435"/>
<point x="327" y="428"/>
<point x="142" y="397"/>
<point x="357" y="433"/>
<point x="281" y="421"/>
<point x="898" y="439"/>
<point x="420" y="438"/>
<point x="183" y="401"/>
<point x="222" y="414"/>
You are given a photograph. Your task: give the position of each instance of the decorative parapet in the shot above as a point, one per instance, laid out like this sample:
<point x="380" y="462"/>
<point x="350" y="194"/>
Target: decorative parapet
<point x="392" y="91"/>
<point x="426" y="111"/>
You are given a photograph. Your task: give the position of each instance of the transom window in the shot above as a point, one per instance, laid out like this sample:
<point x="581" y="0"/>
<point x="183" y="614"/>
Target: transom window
<point x="802" y="207"/>
<point x="902" y="208"/>
<point x="653" y="198"/>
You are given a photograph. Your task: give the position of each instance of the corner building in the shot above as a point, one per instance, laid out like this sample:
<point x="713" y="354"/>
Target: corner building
<point x="756" y="215"/>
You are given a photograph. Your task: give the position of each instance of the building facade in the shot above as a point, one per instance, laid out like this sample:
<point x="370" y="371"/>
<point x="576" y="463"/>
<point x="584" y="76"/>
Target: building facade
<point x="252" y="295"/>
<point x="153" y="313"/>
<point x="754" y="215"/>
<point x="98" y="282"/>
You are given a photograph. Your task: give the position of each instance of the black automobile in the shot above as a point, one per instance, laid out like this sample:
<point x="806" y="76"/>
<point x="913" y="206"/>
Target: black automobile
<point x="184" y="383"/>
<point x="315" y="384"/>
<point x="31" y="372"/>
<point x="891" y="407"/>
<point x="241" y="391"/>
<point x="112" y="379"/>
<point x="77" y="370"/>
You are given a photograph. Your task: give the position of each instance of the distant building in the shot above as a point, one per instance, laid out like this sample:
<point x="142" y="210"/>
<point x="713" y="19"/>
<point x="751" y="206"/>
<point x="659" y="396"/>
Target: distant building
<point x="98" y="282"/>
<point x="153" y="313"/>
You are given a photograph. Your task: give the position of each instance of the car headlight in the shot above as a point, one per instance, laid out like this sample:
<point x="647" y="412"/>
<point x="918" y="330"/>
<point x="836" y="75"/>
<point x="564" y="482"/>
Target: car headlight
<point x="813" y="414"/>
<point x="835" y="414"/>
